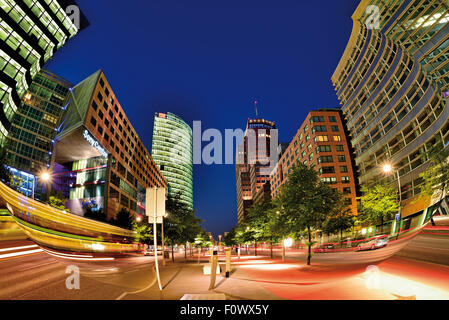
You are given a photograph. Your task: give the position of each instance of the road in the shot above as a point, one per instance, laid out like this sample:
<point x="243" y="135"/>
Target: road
<point x="28" y="273"/>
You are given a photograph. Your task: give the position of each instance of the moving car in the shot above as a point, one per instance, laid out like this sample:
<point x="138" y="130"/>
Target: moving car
<point x="376" y="243"/>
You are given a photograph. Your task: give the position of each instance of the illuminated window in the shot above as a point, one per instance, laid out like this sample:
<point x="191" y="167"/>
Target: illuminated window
<point x="321" y="139"/>
<point x="337" y="138"/>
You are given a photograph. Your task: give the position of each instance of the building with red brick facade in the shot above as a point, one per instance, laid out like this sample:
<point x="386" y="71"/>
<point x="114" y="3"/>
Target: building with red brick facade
<point x="321" y="143"/>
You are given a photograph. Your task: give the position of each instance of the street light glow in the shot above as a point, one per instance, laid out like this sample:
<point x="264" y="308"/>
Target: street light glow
<point x="45" y="176"/>
<point x="387" y="168"/>
<point x="288" y="242"/>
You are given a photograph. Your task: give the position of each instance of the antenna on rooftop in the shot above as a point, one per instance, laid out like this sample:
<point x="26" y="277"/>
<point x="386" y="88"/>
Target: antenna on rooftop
<point x="255" y="105"/>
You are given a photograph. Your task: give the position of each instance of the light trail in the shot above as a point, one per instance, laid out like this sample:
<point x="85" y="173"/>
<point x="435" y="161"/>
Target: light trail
<point x="17" y="254"/>
<point x="19" y="248"/>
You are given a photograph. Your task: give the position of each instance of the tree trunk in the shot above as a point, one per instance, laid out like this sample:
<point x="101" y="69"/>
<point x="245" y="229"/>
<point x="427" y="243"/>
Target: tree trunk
<point x="309" y="256"/>
<point x="283" y="250"/>
<point x="185" y="251"/>
<point x="271" y="247"/>
<point x="172" y="253"/>
<point x="255" y="248"/>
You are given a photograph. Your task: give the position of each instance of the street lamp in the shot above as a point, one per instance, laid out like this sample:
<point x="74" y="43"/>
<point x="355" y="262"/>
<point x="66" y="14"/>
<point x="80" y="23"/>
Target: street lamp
<point x="44" y="176"/>
<point x="387" y="168"/>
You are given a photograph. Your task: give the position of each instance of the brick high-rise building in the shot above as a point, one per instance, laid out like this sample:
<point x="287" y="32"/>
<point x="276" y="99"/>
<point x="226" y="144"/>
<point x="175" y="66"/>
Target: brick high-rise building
<point x="321" y="143"/>
<point x="254" y="161"/>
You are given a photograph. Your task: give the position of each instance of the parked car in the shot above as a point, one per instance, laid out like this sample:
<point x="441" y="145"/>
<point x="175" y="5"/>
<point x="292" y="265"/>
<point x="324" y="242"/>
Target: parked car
<point x="323" y="248"/>
<point x="376" y="243"/>
<point x="150" y="252"/>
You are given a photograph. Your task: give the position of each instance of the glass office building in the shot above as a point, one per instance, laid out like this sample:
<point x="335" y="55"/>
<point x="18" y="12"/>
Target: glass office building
<point x="30" y="33"/>
<point x="172" y="150"/>
<point x="393" y="82"/>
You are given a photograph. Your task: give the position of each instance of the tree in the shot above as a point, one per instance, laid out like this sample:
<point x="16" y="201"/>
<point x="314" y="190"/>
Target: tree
<point x="257" y="222"/>
<point x="95" y="214"/>
<point x="202" y="239"/>
<point x="436" y="176"/>
<point x="181" y="225"/>
<point x="378" y="203"/>
<point x="144" y="231"/>
<point x="4" y="172"/>
<point x="307" y="202"/>
<point x="228" y="239"/>
<point x="123" y="219"/>
<point x="342" y="220"/>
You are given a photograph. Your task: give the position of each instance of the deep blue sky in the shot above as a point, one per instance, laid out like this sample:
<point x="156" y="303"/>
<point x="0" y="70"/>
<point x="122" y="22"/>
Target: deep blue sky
<point x="209" y="60"/>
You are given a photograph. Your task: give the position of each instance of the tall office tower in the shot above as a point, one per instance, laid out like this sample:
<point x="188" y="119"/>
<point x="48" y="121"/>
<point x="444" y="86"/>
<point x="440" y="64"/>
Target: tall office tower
<point x="392" y="82"/>
<point x="255" y="159"/>
<point x="99" y="160"/>
<point x="321" y="143"/>
<point x="33" y="129"/>
<point x="172" y="150"/>
<point x="30" y="32"/>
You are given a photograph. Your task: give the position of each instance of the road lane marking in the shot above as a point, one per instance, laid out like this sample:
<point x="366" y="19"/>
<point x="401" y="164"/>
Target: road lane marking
<point x="141" y="290"/>
<point x="19" y="248"/>
<point x="17" y="254"/>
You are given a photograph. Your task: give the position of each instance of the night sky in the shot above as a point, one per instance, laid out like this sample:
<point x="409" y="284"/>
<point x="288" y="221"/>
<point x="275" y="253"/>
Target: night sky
<point x="209" y="60"/>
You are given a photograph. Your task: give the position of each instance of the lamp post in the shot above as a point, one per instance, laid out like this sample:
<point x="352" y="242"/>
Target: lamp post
<point x="45" y="176"/>
<point x="387" y="168"/>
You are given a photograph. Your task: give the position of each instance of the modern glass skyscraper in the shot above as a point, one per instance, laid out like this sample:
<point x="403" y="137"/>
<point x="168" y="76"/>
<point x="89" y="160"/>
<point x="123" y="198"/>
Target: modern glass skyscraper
<point x="172" y="150"/>
<point x="393" y="82"/>
<point x="30" y="33"/>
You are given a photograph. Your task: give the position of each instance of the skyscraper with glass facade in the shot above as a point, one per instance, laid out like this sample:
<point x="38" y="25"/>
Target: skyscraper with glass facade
<point x="30" y="33"/>
<point x="393" y="82"/>
<point x="172" y="150"/>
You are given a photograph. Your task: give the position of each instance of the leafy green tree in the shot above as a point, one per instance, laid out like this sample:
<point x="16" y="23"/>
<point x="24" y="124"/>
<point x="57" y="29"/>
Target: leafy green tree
<point x="181" y="225"/>
<point x="228" y="239"/>
<point x="144" y="231"/>
<point x="257" y="222"/>
<point x="436" y="176"/>
<point x="202" y="239"/>
<point x="342" y="220"/>
<point x="378" y="203"/>
<point x="307" y="202"/>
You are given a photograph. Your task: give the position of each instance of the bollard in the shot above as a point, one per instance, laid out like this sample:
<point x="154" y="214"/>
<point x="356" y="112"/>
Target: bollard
<point x="213" y="269"/>
<point x="199" y="254"/>
<point x="228" y="261"/>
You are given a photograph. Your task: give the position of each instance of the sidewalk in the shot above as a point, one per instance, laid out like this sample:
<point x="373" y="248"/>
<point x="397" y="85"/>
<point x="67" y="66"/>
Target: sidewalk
<point x="186" y="277"/>
<point x="260" y="278"/>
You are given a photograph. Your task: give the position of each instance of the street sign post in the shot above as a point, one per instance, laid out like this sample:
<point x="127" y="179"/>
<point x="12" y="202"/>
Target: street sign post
<point x="155" y="210"/>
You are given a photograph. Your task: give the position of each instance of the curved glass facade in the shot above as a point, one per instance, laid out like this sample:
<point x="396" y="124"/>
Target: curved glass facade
<point x="31" y="32"/>
<point x="172" y="150"/>
<point x="393" y="84"/>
